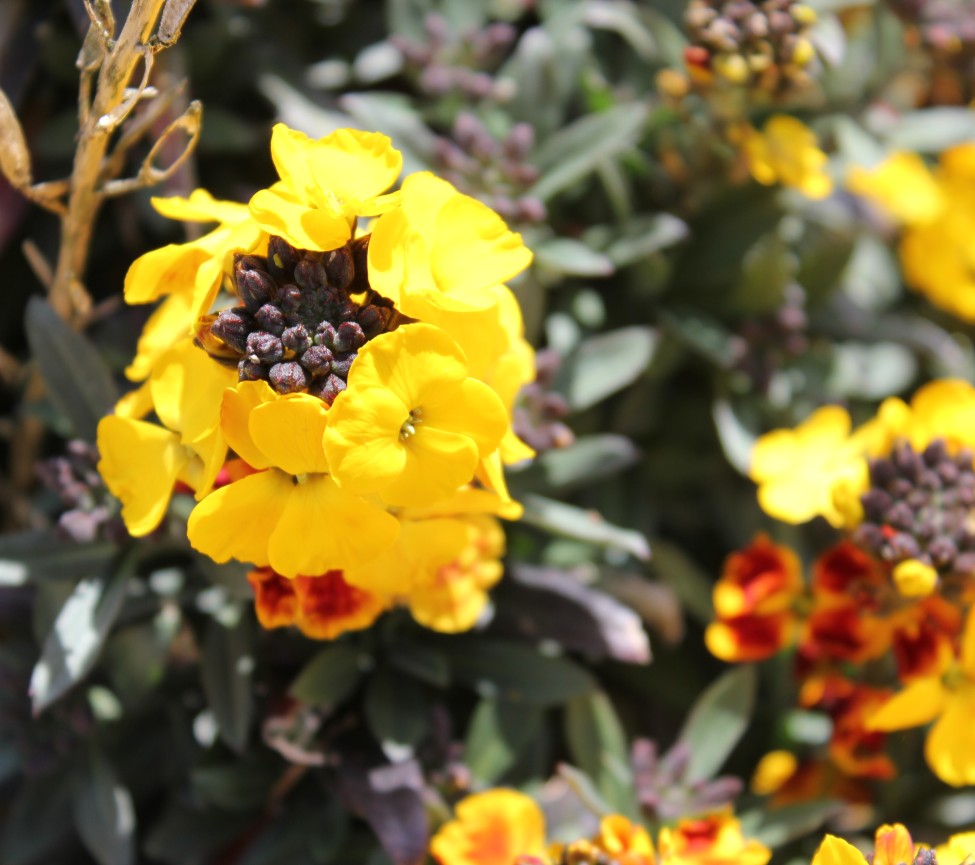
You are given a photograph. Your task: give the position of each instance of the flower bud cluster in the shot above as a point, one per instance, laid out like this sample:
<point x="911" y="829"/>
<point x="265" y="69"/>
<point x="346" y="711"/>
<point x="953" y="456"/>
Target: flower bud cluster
<point x="448" y="63"/>
<point x="538" y="419"/>
<point x="498" y="172"/>
<point x="762" y="45"/>
<point x="75" y="479"/>
<point x="299" y="327"/>
<point x="919" y="506"/>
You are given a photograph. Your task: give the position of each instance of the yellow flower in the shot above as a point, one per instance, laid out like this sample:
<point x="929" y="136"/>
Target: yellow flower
<point x="797" y="470"/>
<point x="949" y="701"/>
<point x="442" y="249"/>
<point x="786" y="152"/>
<point x="943" y="409"/>
<point x="190" y="273"/>
<point x="290" y="514"/>
<point x="715" y="839"/>
<point x="903" y="186"/>
<point x="893" y="846"/>
<point x="624" y="842"/>
<point x="491" y="828"/>
<point x="958" y="850"/>
<point x="915" y="579"/>
<point x="325" y="185"/>
<point x="412" y="425"/>
<point x="772" y="771"/>
<point x="142" y="461"/>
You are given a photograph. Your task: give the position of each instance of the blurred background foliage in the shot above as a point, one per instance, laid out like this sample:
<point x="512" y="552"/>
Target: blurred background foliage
<point x="680" y="309"/>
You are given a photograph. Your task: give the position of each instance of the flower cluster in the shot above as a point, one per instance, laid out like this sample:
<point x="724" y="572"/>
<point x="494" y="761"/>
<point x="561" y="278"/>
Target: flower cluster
<point x="898" y="585"/>
<point x="338" y="401"/>
<point x="501" y="827"/>
<point x="893" y="845"/>
<point x="742" y="43"/>
<point x="786" y="151"/>
<point x="936" y="213"/>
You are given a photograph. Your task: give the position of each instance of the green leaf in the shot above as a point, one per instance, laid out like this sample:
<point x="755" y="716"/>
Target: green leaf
<point x="44" y="555"/>
<point x="423" y="663"/>
<point x="76" y="638"/>
<point x="718" y="720"/>
<point x="103" y="812"/>
<point x="498" y="733"/>
<point x="512" y="671"/>
<point x="767" y="270"/>
<point x="703" y="334"/>
<point x="78" y="381"/>
<point x="643" y="236"/>
<point x="597" y="743"/>
<point x="932" y="130"/>
<point x="189" y="836"/>
<point x="587" y="460"/>
<point x="330" y="677"/>
<point x="777" y="826"/>
<point x="396" y="712"/>
<point x="578" y="149"/>
<point x="604" y="364"/>
<point x="572" y="522"/>
<point x="226" y="674"/>
<point x="241" y="785"/>
<point x="37" y="820"/>
<point x="563" y="255"/>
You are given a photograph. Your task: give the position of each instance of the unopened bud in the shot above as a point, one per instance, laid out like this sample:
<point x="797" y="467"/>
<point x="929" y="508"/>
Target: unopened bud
<point x="372" y="319"/>
<point x="317" y="360"/>
<point x="340" y="268"/>
<point x="232" y="326"/>
<point x="803" y="52"/>
<point x="310" y="274"/>
<point x="281" y="259"/>
<point x="328" y="388"/>
<point x="915" y="579"/>
<point x="288" y="377"/>
<point x="265" y="347"/>
<point x="731" y="67"/>
<point x="251" y="370"/>
<point x="325" y="334"/>
<point x="271" y="319"/>
<point x="254" y="285"/>
<point x="296" y="339"/>
<point x="349" y="336"/>
<point x="342" y="362"/>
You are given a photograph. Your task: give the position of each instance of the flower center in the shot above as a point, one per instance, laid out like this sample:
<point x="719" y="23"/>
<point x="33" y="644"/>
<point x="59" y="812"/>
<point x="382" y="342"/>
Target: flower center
<point x="304" y="316"/>
<point x="408" y="429"/>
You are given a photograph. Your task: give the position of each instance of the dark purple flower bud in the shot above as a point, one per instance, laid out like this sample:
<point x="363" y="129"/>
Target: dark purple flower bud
<point x="948" y="472"/>
<point x="310" y="274"/>
<point x="935" y="452"/>
<point x="904" y="546"/>
<point x="326" y="389"/>
<point x="942" y="551"/>
<point x="906" y="461"/>
<point x="265" y="347"/>
<point x="296" y="339"/>
<point x="900" y="516"/>
<point x="372" y="319"/>
<point x="271" y="319"/>
<point x="288" y="377"/>
<point x="875" y="503"/>
<point x="254" y="285"/>
<point x="881" y="472"/>
<point x="964" y="459"/>
<point x="869" y="536"/>
<point x="325" y="334"/>
<point x="345" y="311"/>
<point x="290" y="299"/>
<point x="965" y="564"/>
<point x="281" y="259"/>
<point x="251" y="370"/>
<point x="339" y="267"/>
<point x="342" y="363"/>
<point x="317" y="360"/>
<point x="349" y="336"/>
<point x="232" y="326"/>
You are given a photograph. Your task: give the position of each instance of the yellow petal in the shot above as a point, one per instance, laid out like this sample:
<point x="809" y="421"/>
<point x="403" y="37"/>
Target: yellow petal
<point x="136" y="404"/>
<point x="948" y="748"/>
<point x="437" y="464"/>
<point x="303" y="226"/>
<point x="836" y="851"/>
<point x="168" y="325"/>
<point x="323" y="527"/>
<point x="919" y="703"/>
<point x="288" y="432"/>
<point x="893" y="845"/>
<point x="236" y="521"/>
<point x="362" y="440"/>
<point x="168" y="270"/>
<point x="187" y="386"/>
<point x="354" y="165"/>
<point x="200" y="207"/>
<point x="235" y="413"/>
<point x="140" y="463"/>
<point x="968" y="646"/>
<point x="469" y="408"/>
<point x="387" y="255"/>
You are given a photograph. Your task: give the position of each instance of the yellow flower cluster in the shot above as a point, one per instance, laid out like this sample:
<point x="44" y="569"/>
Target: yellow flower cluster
<point x="338" y="401"/>
<point x="936" y="210"/>
<point x="786" y="151"/>
<point x="505" y="827"/>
